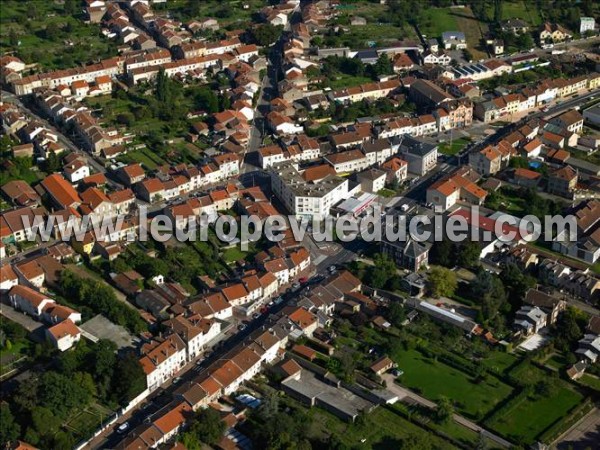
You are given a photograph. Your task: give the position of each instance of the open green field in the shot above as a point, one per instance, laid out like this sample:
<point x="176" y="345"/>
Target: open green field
<point x="526" y="420"/>
<point x="384" y="430"/>
<point x="436" y="21"/>
<point x="434" y="379"/>
<point x="499" y="361"/>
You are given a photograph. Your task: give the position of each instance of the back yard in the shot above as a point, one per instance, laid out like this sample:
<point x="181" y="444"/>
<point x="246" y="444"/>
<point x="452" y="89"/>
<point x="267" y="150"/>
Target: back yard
<point x="434" y="379"/>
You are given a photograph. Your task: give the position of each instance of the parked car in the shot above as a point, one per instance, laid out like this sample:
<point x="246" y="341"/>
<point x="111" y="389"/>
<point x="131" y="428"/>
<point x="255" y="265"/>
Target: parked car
<point x="255" y="315"/>
<point x="242" y="326"/>
<point x="123" y="427"/>
<point x="303" y="280"/>
<point x="176" y="380"/>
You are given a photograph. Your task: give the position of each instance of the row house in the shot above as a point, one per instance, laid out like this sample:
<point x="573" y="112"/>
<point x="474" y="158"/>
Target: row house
<point x="17" y="225"/>
<point x="162" y="359"/>
<point x="195" y="331"/>
<point x="29" y="301"/>
<point x="371" y="91"/>
<point x="377" y="151"/>
<point x="108" y="67"/>
<point x="354" y="137"/>
<point x="347" y="161"/>
<point x="154" y="57"/>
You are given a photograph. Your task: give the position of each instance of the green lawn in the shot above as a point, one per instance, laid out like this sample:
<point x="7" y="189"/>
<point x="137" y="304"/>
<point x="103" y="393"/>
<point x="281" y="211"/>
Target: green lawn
<point x="590" y="381"/>
<point x="525" y="421"/>
<point x="384" y="430"/>
<point x="557" y="362"/>
<point x="146" y="157"/>
<point x="234" y="254"/>
<point x="436" y="21"/>
<point x="499" y="361"/>
<point x="452" y="149"/>
<point x="386" y="192"/>
<point x="434" y="380"/>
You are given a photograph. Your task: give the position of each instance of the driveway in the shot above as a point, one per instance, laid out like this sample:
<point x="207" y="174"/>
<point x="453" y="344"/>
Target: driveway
<point x="25" y="321"/>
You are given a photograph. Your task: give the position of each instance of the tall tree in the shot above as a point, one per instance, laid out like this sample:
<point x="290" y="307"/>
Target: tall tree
<point x="208" y="426"/>
<point x="497" y="11"/>
<point x="441" y="282"/>
<point x="129" y="379"/>
<point x="9" y="429"/>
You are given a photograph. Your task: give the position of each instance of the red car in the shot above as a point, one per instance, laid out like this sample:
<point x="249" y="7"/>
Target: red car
<point x="303" y="280"/>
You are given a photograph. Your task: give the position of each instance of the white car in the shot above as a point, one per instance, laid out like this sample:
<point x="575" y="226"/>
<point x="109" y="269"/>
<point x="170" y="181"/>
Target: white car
<point x="123" y="427"/>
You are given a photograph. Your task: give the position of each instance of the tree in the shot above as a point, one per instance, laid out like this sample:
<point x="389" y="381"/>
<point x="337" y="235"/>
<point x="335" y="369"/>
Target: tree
<point x="129" y="379"/>
<point x="44" y="421"/>
<point x="208" y="426"/>
<point x="384" y="270"/>
<point x="9" y="429"/>
<point x="442" y="253"/>
<point x="52" y="31"/>
<point x="383" y="66"/>
<point x="13" y="38"/>
<point x="569" y="328"/>
<point x="524" y="41"/>
<point x="125" y="118"/>
<point x="497" y="11"/>
<point x="516" y="283"/>
<point x="205" y="99"/>
<point x="489" y="290"/>
<point x="61" y="394"/>
<point x="266" y="34"/>
<point x="468" y="254"/>
<point x="444" y="410"/>
<point x="397" y="314"/>
<point x="72" y="7"/>
<point x="52" y="163"/>
<point x="441" y="282"/>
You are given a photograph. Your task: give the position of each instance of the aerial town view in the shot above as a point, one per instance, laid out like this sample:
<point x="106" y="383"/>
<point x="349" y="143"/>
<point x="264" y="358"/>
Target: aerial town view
<point x="300" y="224"/>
